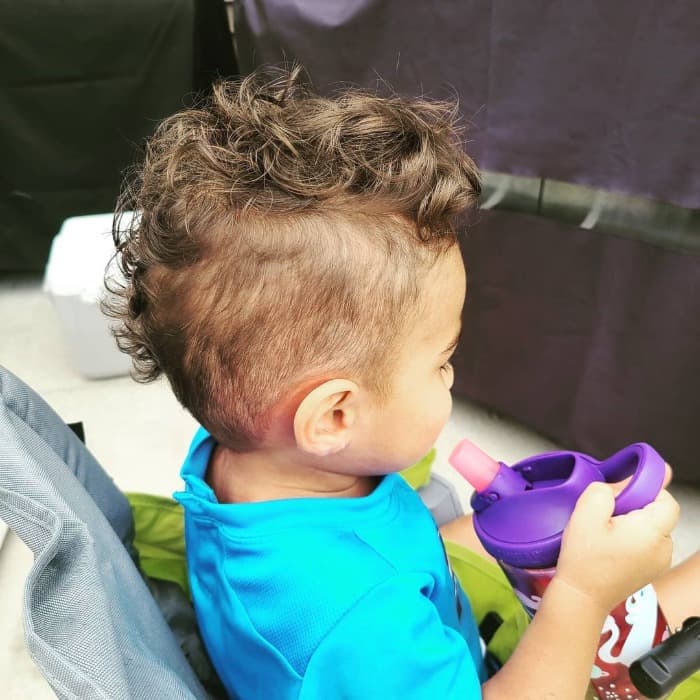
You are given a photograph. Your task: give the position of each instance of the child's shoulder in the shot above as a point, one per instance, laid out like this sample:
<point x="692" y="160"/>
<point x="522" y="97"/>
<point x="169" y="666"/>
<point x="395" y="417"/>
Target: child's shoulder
<point x="299" y="583"/>
<point x="328" y="551"/>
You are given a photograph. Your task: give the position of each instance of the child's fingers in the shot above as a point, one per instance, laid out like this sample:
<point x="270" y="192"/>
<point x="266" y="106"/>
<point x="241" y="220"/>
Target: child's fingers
<point x="664" y="512"/>
<point x="619" y="486"/>
<point x="596" y="504"/>
<point x="668" y="475"/>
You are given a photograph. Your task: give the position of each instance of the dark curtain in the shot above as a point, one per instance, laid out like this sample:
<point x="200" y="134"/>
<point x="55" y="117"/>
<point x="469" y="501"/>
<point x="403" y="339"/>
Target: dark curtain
<point x="81" y="85"/>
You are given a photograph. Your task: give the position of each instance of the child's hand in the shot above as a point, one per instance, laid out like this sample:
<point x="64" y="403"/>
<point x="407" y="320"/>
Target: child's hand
<point x="607" y="558"/>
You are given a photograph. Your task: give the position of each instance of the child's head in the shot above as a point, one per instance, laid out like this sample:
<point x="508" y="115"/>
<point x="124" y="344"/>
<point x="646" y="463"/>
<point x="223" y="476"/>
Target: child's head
<point x="285" y="240"/>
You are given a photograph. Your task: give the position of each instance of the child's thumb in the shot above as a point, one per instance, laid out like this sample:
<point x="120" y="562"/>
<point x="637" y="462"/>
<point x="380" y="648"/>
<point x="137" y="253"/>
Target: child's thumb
<point x="596" y="504"/>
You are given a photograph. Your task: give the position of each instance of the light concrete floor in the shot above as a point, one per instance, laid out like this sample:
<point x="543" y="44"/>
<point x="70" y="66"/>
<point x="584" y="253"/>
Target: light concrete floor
<point x="140" y="435"/>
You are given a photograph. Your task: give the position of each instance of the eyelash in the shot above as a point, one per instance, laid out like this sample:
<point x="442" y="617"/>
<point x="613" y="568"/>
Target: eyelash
<point x="447" y="366"/>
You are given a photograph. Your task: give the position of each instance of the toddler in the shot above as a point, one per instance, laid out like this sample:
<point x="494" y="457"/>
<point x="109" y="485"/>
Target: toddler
<point x="294" y="271"/>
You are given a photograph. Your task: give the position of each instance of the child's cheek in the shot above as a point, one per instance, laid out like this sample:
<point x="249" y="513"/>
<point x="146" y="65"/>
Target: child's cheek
<point x="440" y="413"/>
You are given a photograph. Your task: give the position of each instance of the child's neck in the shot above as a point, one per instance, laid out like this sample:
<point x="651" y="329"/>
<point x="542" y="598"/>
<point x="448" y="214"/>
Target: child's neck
<point x="267" y="475"/>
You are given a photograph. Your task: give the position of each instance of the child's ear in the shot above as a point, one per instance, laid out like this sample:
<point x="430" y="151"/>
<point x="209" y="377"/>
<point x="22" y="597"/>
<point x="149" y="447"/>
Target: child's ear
<point x="325" y="417"/>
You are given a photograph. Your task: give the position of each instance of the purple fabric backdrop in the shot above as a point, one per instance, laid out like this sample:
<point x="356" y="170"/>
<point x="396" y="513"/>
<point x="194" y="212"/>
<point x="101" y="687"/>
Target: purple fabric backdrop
<point x="588" y="91"/>
<point x="593" y="340"/>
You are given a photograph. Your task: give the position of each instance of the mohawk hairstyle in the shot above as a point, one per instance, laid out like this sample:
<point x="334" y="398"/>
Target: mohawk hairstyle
<point x="281" y="236"/>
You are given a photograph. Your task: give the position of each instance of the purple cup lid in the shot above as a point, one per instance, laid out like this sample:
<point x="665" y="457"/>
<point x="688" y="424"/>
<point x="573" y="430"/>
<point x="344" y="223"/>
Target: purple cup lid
<point x="521" y="520"/>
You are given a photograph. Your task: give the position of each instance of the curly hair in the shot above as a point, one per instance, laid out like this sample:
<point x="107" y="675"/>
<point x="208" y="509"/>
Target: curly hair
<point x="280" y="236"/>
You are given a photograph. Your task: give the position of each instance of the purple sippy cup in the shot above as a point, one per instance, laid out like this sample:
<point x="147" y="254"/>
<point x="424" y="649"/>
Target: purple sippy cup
<point x="520" y="514"/>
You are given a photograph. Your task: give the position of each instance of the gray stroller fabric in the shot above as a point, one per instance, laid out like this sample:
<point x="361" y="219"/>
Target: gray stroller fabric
<point x="91" y="624"/>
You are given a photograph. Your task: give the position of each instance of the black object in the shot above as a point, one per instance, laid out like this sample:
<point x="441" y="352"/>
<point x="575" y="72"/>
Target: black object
<point x="179" y="614"/>
<point x="489" y="626"/>
<point x="78" y="429"/>
<point x="82" y="84"/>
<point x="671" y="662"/>
<point x="213" y="58"/>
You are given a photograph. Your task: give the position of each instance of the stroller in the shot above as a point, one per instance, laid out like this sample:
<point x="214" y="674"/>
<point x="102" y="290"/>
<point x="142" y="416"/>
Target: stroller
<point x="106" y="608"/>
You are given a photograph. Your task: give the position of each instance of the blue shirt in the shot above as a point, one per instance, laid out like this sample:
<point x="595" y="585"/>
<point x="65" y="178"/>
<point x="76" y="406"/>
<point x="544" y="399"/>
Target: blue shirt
<point x="327" y="597"/>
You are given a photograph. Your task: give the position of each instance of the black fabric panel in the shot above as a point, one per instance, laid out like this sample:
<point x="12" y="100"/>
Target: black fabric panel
<point x="81" y="85"/>
<point x="214" y="58"/>
<point x="591" y="339"/>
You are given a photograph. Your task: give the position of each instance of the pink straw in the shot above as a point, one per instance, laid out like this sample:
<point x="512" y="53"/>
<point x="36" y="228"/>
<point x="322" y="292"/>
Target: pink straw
<point x="474" y="465"/>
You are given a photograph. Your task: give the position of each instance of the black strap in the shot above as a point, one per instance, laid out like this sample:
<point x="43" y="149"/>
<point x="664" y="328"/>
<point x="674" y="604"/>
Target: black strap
<point x="78" y="429"/>
<point x="489" y="626"/>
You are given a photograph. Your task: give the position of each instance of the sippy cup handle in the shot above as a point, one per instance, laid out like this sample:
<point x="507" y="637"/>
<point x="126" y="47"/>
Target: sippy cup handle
<point x="647" y="469"/>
